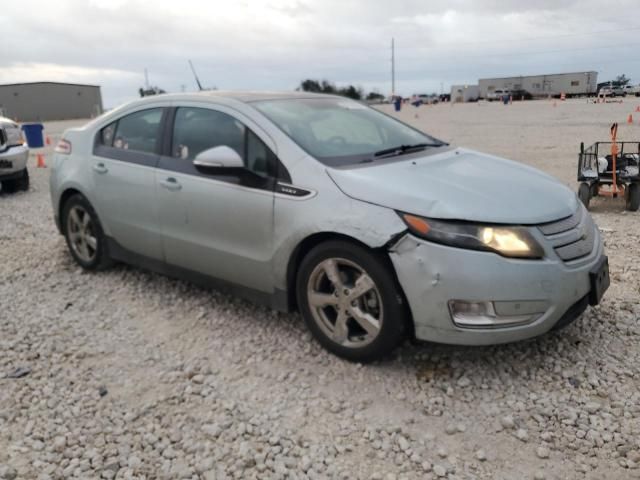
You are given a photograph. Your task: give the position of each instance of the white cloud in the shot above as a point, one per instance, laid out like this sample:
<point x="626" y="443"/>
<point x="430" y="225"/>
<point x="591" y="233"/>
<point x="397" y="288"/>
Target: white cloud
<point x="52" y="72"/>
<point x="276" y="43"/>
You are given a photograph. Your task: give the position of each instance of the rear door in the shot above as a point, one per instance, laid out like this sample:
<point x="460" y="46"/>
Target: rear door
<point x="214" y="221"/>
<point x="124" y="159"/>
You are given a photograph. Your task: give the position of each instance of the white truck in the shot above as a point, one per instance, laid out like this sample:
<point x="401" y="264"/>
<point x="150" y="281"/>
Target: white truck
<point x="14" y="154"/>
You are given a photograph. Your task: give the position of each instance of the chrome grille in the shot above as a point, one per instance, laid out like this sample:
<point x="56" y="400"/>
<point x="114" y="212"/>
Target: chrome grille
<point x="572" y="237"/>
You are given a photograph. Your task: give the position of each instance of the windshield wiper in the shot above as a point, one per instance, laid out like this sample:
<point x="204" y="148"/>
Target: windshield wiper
<point x="402" y="149"/>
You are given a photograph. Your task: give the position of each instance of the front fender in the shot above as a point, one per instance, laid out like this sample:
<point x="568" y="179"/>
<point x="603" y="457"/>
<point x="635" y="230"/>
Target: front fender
<point x="296" y="221"/>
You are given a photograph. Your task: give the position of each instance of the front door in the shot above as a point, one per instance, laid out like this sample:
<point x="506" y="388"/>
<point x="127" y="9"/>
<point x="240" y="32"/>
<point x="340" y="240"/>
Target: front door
<point x="215" y="221"/>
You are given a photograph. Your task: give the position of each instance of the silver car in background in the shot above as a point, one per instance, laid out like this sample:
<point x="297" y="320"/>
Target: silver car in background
<point x="14" y="154"/>
<point x="373" y="230"/>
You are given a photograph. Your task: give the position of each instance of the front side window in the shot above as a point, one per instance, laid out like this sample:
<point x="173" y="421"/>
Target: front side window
<point x="199" y="129"/>
<point x="138" y="132"/>
<point x="340" y="131"/>
<point x="107" y="134"/>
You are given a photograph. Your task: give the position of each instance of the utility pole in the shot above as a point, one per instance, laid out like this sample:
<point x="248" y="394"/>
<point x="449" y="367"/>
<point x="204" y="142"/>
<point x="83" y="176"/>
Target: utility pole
<point x="146" y="79"/>
<point x="393" y="67"/>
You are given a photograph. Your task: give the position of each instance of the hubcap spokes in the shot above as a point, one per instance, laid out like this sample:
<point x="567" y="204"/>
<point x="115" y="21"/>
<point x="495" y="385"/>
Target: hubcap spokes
<point x="81" y="236"/>
<point x="345" y="302"/>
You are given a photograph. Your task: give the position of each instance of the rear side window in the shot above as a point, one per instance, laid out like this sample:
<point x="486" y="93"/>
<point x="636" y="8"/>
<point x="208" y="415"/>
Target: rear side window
<point x="138" y="132"/>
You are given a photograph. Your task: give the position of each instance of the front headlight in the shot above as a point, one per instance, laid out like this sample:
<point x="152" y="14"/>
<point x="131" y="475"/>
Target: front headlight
<point x="515" y="242"/>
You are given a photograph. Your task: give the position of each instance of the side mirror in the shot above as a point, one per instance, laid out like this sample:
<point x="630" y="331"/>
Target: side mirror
<point x="219" y="157"/>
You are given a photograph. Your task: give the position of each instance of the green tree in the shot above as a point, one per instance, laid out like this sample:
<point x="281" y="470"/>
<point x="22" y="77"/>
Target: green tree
<point x="375" y="96"/>
<point x="150" y="91"/>
<point x="351" y="92"/>
<point x="622" y="80"/>
<point x="309" y="85"/>
<point x="326" y="86"/>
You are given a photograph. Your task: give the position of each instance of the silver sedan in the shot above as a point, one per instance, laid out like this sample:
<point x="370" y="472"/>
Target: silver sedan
<point x="373" y="230"/>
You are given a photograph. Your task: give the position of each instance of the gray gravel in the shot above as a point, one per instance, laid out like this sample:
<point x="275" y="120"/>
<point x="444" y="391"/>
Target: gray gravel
<point x="136" y="376"/>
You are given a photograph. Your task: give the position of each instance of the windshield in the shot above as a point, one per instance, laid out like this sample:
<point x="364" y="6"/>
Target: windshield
<point x="340" y="131"/>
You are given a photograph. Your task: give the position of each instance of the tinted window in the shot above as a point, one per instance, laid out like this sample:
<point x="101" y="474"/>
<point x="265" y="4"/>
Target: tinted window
<point x="260" y="159"/>
<point x="138" y="131"/>
<point x="107" y="134"/>
<point x="199" y="129"/>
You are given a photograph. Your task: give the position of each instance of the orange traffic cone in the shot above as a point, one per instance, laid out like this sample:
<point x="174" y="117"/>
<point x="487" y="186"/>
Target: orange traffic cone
<point x="630" y="119"/>
<point x="40" y="161"/>
<point x="638" y="108"/>
<point x="48" y="140"/>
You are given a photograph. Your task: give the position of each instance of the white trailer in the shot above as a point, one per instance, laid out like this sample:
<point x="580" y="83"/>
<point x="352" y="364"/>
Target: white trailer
<point x="571" y="84"/>
<point x="465" y="93"/>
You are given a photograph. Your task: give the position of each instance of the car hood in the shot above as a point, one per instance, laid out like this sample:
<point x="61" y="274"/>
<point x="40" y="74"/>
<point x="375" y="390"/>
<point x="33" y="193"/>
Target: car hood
<point x="460" y="184"/>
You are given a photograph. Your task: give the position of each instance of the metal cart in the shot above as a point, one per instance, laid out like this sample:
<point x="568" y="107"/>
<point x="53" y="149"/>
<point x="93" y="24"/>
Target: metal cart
<point x="610" y="169"/>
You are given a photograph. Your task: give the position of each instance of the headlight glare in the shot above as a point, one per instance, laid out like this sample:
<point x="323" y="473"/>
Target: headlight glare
<point x="514" y="242"/>
<point x="505" y="240"/>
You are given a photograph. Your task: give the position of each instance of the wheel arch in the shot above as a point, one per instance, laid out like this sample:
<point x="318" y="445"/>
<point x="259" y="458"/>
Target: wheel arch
<point x="311" y="241"/>
<point x="64" y="196"/>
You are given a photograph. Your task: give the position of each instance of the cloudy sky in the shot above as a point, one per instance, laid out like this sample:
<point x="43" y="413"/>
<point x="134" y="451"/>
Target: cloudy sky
<point x="274" y="44"/>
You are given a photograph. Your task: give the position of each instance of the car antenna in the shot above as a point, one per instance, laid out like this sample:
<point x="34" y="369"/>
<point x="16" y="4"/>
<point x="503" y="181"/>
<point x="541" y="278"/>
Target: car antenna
<point x="196" y="75"/>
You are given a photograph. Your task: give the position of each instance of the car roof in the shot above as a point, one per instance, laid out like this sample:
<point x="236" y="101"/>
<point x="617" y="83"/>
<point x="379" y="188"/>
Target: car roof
<point x="245" y="96"/>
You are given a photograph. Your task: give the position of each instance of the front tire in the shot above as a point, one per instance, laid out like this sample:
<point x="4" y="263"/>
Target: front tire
<point x="83" y="233"/>
<point x="350" y="301"/>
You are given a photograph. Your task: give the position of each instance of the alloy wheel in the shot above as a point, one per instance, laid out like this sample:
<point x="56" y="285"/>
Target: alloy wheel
<point x="345" y="302"/>
<point x="81" y="234"/>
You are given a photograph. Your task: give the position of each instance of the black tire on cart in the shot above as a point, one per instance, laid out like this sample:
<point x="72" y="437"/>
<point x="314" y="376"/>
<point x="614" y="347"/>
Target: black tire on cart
<point x="584" y="194"/>
<point x="633" y="197"/>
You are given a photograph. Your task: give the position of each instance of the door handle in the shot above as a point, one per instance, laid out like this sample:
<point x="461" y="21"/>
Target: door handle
<point x="100" y="168"/>
<point x="171" y="184"/>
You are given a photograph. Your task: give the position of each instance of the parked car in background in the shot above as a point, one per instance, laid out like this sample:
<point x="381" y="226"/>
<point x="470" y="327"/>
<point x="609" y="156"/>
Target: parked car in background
<point x="612" y="91"/>
<point x="633" y="90"/>
<point x="497" y="95"/>
<point x="13" y="157"/>
<point x="521" y="94"/>
<point x="429" y="99"/>
<point x="373" y="230"/>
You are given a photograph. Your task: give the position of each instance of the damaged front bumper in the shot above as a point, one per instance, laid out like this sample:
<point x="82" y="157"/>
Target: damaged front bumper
<point x="469" y="297"/>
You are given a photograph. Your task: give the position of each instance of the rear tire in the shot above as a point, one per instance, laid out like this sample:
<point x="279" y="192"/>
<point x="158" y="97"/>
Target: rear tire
<point x="584" y="194"/>
<point x="633" y="197"/>
<point x="83" y="233"/>
<point x="350" y="300"/>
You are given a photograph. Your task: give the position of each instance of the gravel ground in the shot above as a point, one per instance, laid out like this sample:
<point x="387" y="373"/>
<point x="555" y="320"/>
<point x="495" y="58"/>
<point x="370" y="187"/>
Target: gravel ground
<point x="127" y="374"/>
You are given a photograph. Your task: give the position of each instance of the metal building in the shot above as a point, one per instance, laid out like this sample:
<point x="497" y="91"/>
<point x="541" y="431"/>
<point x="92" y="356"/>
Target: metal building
<point x="43" y="101"/>
<point x="571" y="84"/>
